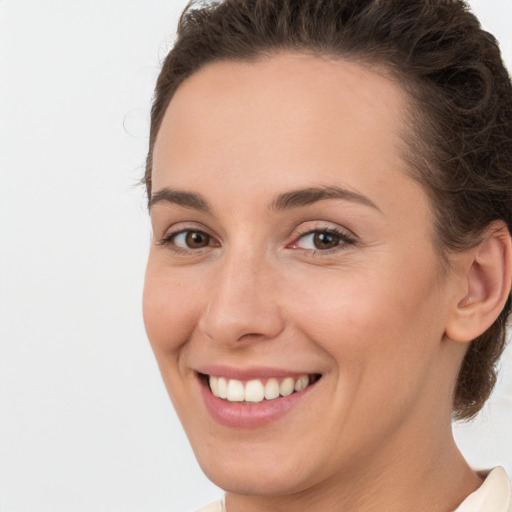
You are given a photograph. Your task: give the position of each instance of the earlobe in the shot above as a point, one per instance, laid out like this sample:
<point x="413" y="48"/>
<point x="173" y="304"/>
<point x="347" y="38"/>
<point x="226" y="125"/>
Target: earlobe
<point x="487" y="276"/>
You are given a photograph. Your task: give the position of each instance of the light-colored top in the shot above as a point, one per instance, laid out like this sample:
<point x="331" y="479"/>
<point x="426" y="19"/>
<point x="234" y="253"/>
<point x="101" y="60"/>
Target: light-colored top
<point x="494" y="495"/>
<point x="212" y="507"/>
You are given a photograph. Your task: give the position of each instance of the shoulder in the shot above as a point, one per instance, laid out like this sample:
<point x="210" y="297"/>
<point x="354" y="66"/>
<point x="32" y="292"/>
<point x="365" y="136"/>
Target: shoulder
<point x="494" y="494"/>
<point x="212" y="507"/>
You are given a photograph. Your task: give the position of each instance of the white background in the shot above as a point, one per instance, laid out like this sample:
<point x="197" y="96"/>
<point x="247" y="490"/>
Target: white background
<point x="85" y="423"/>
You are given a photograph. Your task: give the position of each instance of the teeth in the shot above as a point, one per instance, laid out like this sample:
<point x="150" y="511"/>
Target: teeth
<point x="302" y="383"/>
<point x="236" y="391"/>
<point x="255" y="391"/>
<point x="271" y="389"/>
<point x="214" y="385"/>
<point x="222" y="388"/>
<point x="287" y="387"/>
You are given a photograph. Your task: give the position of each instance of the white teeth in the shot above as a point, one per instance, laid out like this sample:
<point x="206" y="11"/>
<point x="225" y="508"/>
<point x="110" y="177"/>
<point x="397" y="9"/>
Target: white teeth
<point x="235" y="391"/>
<point x="222" y="388"/>
<point x="255" y="391"/>
<point x="302" y="383"/>
<point x="271" y="389"/>
<point x="214" y="385"/>
<point x="287" y="387"/>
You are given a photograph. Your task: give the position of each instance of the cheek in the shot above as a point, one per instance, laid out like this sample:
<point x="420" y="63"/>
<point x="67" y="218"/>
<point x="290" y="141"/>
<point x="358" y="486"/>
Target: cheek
<point x="382" y="337"/>
<point x="371" y="318"/>
<point x="169" y="310"/>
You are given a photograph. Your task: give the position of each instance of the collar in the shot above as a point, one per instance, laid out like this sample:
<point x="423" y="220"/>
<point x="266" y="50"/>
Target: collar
<point x="495" y="495"/>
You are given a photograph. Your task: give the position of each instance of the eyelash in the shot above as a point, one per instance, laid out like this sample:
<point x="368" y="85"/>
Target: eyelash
<point x="169" y="237"/>
<point x="345" y="240"/>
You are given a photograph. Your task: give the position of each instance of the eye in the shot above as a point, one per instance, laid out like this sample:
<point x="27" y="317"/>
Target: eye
<point x="188" y="239"/>
<point x="322" y="240"/>
<point x="191" y="240"/>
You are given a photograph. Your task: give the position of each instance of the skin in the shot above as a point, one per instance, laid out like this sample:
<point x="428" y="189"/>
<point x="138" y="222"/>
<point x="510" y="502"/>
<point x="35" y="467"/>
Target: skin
<point x="370" y="315"/>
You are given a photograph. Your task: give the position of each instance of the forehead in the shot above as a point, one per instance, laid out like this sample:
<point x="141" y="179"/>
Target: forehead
<point x="289" y="117"/>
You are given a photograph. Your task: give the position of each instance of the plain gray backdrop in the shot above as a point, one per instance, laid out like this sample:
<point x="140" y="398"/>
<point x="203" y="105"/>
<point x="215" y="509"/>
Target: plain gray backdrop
<point x="85" y="422"/>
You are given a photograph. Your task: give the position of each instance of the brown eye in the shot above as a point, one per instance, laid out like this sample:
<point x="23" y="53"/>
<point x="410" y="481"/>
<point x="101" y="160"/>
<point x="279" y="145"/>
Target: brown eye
<point x="323" y="240"/>
<point x="196" y="239"/>
<point x="190" y="239"/>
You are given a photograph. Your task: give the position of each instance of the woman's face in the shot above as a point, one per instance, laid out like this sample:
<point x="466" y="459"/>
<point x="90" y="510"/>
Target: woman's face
<point x="289" y="242"/>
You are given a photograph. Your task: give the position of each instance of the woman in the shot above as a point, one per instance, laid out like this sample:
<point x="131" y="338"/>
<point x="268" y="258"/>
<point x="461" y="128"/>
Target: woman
<point x="329" y="184"/>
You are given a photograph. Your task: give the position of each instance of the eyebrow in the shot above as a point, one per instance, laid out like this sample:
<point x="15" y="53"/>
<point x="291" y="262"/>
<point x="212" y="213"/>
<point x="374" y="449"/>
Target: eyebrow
<point x="289" y="200"/>
<point x="181" y="198"/>
<point x="307" y="196"/>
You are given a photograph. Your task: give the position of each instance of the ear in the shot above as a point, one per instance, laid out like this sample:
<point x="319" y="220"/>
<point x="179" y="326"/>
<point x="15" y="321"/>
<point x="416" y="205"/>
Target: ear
<point x="486" y="281"/>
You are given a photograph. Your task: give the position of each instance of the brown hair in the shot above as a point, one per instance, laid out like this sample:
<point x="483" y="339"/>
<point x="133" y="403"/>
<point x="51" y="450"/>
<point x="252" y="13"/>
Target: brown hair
<point x="460" y="141"/>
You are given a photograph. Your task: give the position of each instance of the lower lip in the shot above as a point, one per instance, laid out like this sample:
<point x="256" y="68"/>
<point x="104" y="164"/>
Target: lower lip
<point x="247" y="415"/>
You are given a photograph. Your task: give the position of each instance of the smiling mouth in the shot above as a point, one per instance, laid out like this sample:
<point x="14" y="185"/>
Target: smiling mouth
<point x="258" y="390"/>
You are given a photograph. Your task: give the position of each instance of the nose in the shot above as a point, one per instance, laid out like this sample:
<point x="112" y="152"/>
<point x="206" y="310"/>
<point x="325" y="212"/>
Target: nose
<point x="242" y="305"/>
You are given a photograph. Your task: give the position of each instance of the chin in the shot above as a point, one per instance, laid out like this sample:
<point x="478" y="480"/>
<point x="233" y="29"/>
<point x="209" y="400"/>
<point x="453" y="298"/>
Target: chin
<point x="255" y="481"/>
<point x="261" y="472"/>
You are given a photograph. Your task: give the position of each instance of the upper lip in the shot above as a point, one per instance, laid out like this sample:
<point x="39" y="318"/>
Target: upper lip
<point x="248" y="373"/>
